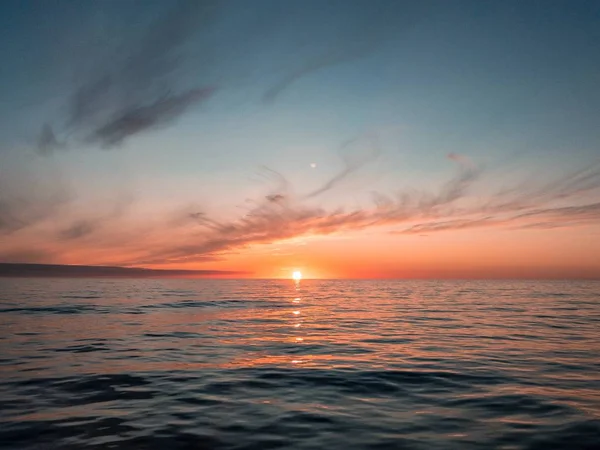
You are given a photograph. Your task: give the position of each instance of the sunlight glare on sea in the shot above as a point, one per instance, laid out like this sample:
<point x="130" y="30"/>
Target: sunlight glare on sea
<point x="312" y="364"/>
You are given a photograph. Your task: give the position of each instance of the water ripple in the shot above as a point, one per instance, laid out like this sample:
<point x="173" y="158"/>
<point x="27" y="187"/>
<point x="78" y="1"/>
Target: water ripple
<point x="205" y="364"/>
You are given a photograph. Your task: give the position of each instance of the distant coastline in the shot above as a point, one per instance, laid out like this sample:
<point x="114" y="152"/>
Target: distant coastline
<point x="24" y="270"/>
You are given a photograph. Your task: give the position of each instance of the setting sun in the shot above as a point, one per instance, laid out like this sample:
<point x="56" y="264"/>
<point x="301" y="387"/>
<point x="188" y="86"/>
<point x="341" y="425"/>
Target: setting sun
<point x="297" y="275"/>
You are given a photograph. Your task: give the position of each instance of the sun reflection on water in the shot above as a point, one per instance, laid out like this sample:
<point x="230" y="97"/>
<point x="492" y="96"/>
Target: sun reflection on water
<point x="297" y="300"/>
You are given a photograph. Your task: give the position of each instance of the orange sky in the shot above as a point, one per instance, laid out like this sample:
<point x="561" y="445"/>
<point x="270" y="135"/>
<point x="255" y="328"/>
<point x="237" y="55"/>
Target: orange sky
<point x="322" y="246"/>
<point x="457" y="254"/>
<point x="355" y="141"/>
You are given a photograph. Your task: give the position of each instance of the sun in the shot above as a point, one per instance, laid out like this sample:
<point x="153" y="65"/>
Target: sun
<point x="297" y="275"/>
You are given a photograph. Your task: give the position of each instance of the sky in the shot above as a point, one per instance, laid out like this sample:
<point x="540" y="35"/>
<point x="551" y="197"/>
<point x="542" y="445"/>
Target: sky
<point x="339" y="138"/>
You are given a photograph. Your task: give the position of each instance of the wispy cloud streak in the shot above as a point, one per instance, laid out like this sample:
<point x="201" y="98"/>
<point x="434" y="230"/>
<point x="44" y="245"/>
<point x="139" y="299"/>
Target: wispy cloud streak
<point x="138" y="119"/>
<point x="145" y="82"/>
<point x="281" y="218"/>
<point x="312" y="65"/>
<point x="348" y="40"/>
<point x="194" y="236"/>
<point x="27" y="198"/>
<point x="138" y="88"/>
<point x="355" y="154"/>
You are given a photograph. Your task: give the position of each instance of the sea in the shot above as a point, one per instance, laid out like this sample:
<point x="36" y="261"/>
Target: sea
<point x="317" y="364"/>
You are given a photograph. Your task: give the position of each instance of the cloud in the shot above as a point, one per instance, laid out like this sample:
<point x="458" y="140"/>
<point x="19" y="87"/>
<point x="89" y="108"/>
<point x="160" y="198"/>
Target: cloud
<point x="137" y="119"/>
<point x="77" y="230"/>
<point x="562" y="216"/>
<point x="309" y="66"/>
<point x="523" y="211"/>
<point x="28" y="198"/>
<point x="533" y="192"/>
<point x="457" y="224"/>
<point x="275" y="198"/>
<point x="355" y="153"/>
<point x="90" y="224"/>
<point x="549" y="218"/>
<point x="138" y="86"/>
<point x="347" y="37"/>
<point x="277" y="217"/>
<point x="193" y="235"/>
<point x="151" y="75"/>
<point x="456" y="188"/>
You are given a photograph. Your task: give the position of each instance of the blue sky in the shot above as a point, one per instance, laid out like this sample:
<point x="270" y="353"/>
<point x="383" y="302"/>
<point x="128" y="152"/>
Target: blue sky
<point x="224" y="89"/>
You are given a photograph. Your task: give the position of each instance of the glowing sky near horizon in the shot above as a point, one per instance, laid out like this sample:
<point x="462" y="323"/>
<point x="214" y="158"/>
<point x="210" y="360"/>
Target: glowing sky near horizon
<point x="336" y="138"/>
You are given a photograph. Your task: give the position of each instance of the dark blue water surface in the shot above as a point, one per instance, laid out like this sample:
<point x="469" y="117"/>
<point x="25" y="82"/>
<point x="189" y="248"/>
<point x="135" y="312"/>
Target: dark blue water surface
<point x="228" y="364"/>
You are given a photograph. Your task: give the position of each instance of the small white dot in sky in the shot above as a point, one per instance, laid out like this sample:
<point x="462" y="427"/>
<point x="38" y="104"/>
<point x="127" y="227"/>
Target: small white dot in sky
<point x="313" y="165"/>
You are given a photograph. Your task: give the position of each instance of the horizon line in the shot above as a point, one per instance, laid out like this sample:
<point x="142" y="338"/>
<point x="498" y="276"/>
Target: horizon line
<point x="40" y="270"/>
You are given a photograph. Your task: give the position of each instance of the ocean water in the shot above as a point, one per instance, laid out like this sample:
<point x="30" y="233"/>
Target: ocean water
<point x="251" y="364"/>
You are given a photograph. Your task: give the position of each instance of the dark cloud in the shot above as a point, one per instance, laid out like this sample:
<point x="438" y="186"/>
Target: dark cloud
<point x="146" y="80"/>
<point x="138" y="119"/>
<point x="138" y="86"/>
<point x="275" y="198"/>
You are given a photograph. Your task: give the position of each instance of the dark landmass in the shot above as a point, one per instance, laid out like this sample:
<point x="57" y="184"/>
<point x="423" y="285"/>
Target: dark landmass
<point x="68" y="271"/>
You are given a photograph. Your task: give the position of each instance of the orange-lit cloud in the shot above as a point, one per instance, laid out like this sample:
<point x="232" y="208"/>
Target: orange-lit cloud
<point x="118" y="236"/>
